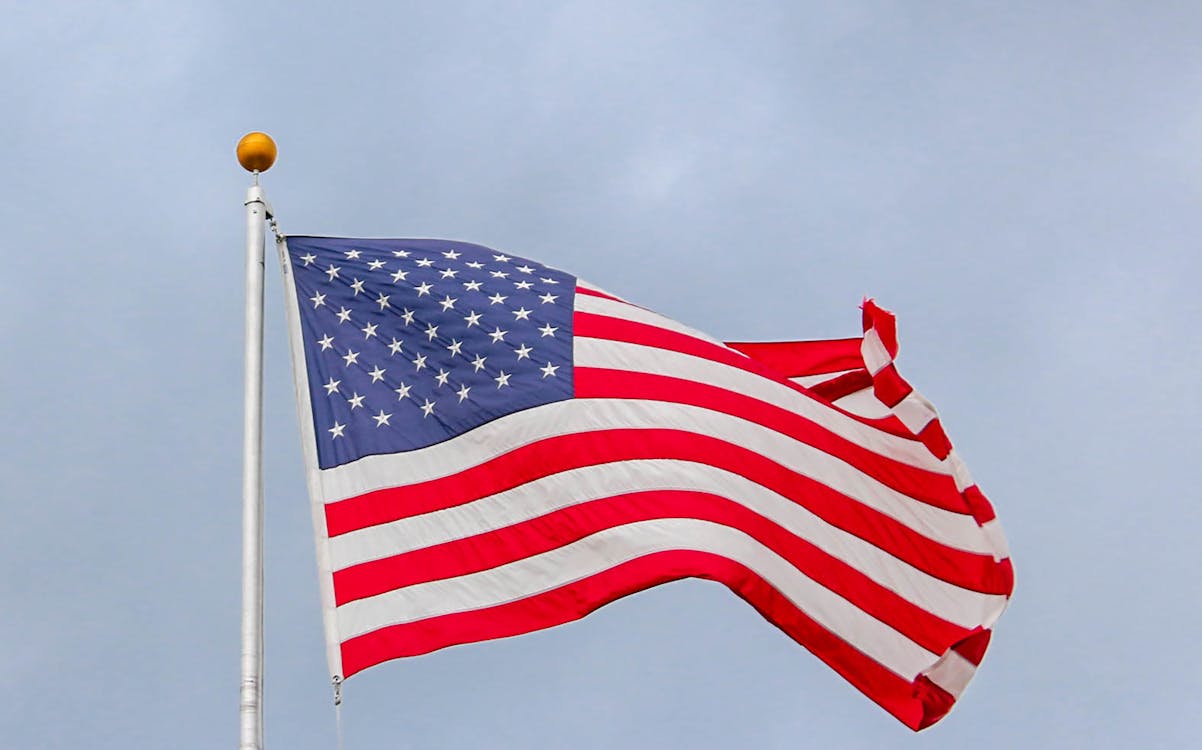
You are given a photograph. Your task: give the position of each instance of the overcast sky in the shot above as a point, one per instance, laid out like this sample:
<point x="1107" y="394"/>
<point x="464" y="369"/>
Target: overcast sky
<point x="1020" y="182"/>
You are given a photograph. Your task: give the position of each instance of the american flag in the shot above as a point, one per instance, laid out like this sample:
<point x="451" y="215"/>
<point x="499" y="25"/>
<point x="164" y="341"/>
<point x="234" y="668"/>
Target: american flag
<point x="495" y="446"/>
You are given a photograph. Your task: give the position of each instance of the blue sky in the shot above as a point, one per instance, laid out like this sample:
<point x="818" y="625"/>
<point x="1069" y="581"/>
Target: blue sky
<point x="1021" y="183"/>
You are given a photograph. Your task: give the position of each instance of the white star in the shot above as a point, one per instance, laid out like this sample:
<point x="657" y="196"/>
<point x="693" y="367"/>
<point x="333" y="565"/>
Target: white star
<point x="369" y="330"/>
<point x="498" y="274"/>
<point x="475" y="264"/>
<point x="427" y="408"/>
<point x="336" y="430"/>
<point x="448" y="302"/>
<point x="344" y="315"/>
<point x="498" y="335"/>
<point x="522" y="284"/>
<point x="407" y="316"/>
<point x="332" y="386"/>
<point x="549" y="281"/>
<point x="399" y="276"/>
<point x="425" y="262"/>
<point x="352" y="255"/>
<point x="448" y="273"/>
<point x="501" y="258"/>
<point x="442" y="376"/>
<point x="357" y="286"/>
<point x="401" y="253"/>
<point x="382" y="418"/>
<point x="548" y="330"/>
<point x="308" y="258"/>
<point x="395" y="346"/>
<point x="402" y="392"/>
<point x="472" y="286"/>
<point x="332" y="272"/>
<point x="521" y="314"/>
<point x="356" y="401"/>
<point x="497" y="299"/>
<point x="462" y="393"/>
<point x="318" y="300"/>
<point x="549" y="370"/>
<point x="420" y="361"/>
<point x="525" y="269"/>
<point x="351" y="358"/>
<point x="451" y="254"/>
<point x="454" y="346"/>
<point x="326" y="342"/>
<point x="376" y="265"/>
<point x="523" y="351"/>
<point x="422" y="289"/>
<point x="478" y="363"/>
<point x="502" y="379"/>
<point x="382" y="301"/>
<point x="377" y="374"/>
<point x="431" y="331"/>
<point x="548" y="297"/>
<point x="473" y="319"/>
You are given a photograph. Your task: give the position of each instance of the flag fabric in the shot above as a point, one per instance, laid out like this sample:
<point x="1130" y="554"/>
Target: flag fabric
<point x="495" y="447"/>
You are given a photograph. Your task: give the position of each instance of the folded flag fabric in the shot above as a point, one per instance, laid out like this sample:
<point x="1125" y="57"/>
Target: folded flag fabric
<point x="495" y="446"/>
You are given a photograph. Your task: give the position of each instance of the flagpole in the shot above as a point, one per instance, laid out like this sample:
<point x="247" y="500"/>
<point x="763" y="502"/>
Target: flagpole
<point x="256" y="153"/>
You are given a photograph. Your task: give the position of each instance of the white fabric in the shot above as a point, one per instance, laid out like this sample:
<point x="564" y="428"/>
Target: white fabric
<point x="915" y="412"/>
<point x="876" y="356"/>
<point x="952" y="673"/>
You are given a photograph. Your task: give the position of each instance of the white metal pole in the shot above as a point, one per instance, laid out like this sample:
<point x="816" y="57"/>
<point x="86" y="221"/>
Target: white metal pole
<point x="251" y="734"/>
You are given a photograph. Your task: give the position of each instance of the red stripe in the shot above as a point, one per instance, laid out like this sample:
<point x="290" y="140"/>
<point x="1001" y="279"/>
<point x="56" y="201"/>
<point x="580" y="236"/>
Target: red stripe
<point x="885" y="324"/>
<point x="935" y="439"/>
<point x="842" y="386"/>
<point x="565" y="526"/>
<point x="973" y="647"/>
<point x="554" y="455"/>
<point x="982" y="510"/>
<point x="889" y="386"/>
<point x="933" y="488"/>
<point x="911" y="703"/>
<point x="794" y="359"/>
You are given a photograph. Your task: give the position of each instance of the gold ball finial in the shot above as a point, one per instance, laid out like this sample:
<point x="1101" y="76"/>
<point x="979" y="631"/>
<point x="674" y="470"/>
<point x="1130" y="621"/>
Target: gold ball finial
<point x="256" y="152"/>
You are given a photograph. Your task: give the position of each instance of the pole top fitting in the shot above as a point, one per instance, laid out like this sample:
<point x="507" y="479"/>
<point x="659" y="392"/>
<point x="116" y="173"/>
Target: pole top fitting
<point x="256" y="152"/>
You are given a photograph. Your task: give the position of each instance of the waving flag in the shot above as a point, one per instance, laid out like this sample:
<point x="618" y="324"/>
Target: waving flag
<point x="496" y="447"/>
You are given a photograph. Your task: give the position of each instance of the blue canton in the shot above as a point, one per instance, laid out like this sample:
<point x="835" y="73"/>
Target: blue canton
<point x="411" y="342"/>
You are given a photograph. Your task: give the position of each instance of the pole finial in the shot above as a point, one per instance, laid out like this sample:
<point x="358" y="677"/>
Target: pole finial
<point x="256" y="152"/>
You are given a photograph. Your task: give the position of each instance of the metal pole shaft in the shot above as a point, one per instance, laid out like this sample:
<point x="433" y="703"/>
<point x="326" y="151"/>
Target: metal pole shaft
<point x="251" y="704"/>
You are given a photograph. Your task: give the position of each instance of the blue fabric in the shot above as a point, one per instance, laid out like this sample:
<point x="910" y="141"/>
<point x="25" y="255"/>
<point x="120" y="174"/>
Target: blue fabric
<point x="391" y="381"/>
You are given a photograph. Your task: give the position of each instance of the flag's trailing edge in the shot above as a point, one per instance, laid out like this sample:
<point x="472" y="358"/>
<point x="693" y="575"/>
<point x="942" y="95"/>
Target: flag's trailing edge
<point x="494" y="447"/>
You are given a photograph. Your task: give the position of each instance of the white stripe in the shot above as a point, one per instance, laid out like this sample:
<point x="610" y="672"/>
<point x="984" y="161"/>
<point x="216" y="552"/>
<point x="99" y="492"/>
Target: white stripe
<point x="997" y="539"/>
<point x="626" y="311"/>
<point x="701" y="369"/>
<point x="569" y="488"/>
<point x="876" y="356"/>
<point x="606" y="549"/>
<point x="619" y="355"/>
<point x="952" y="673"/>
<point x="865" y="404"/>
<point x="959" y="471"/>
<point x="512" y="431"/>
<point x="915" y="412"/>
<point x="594" y="288"/>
